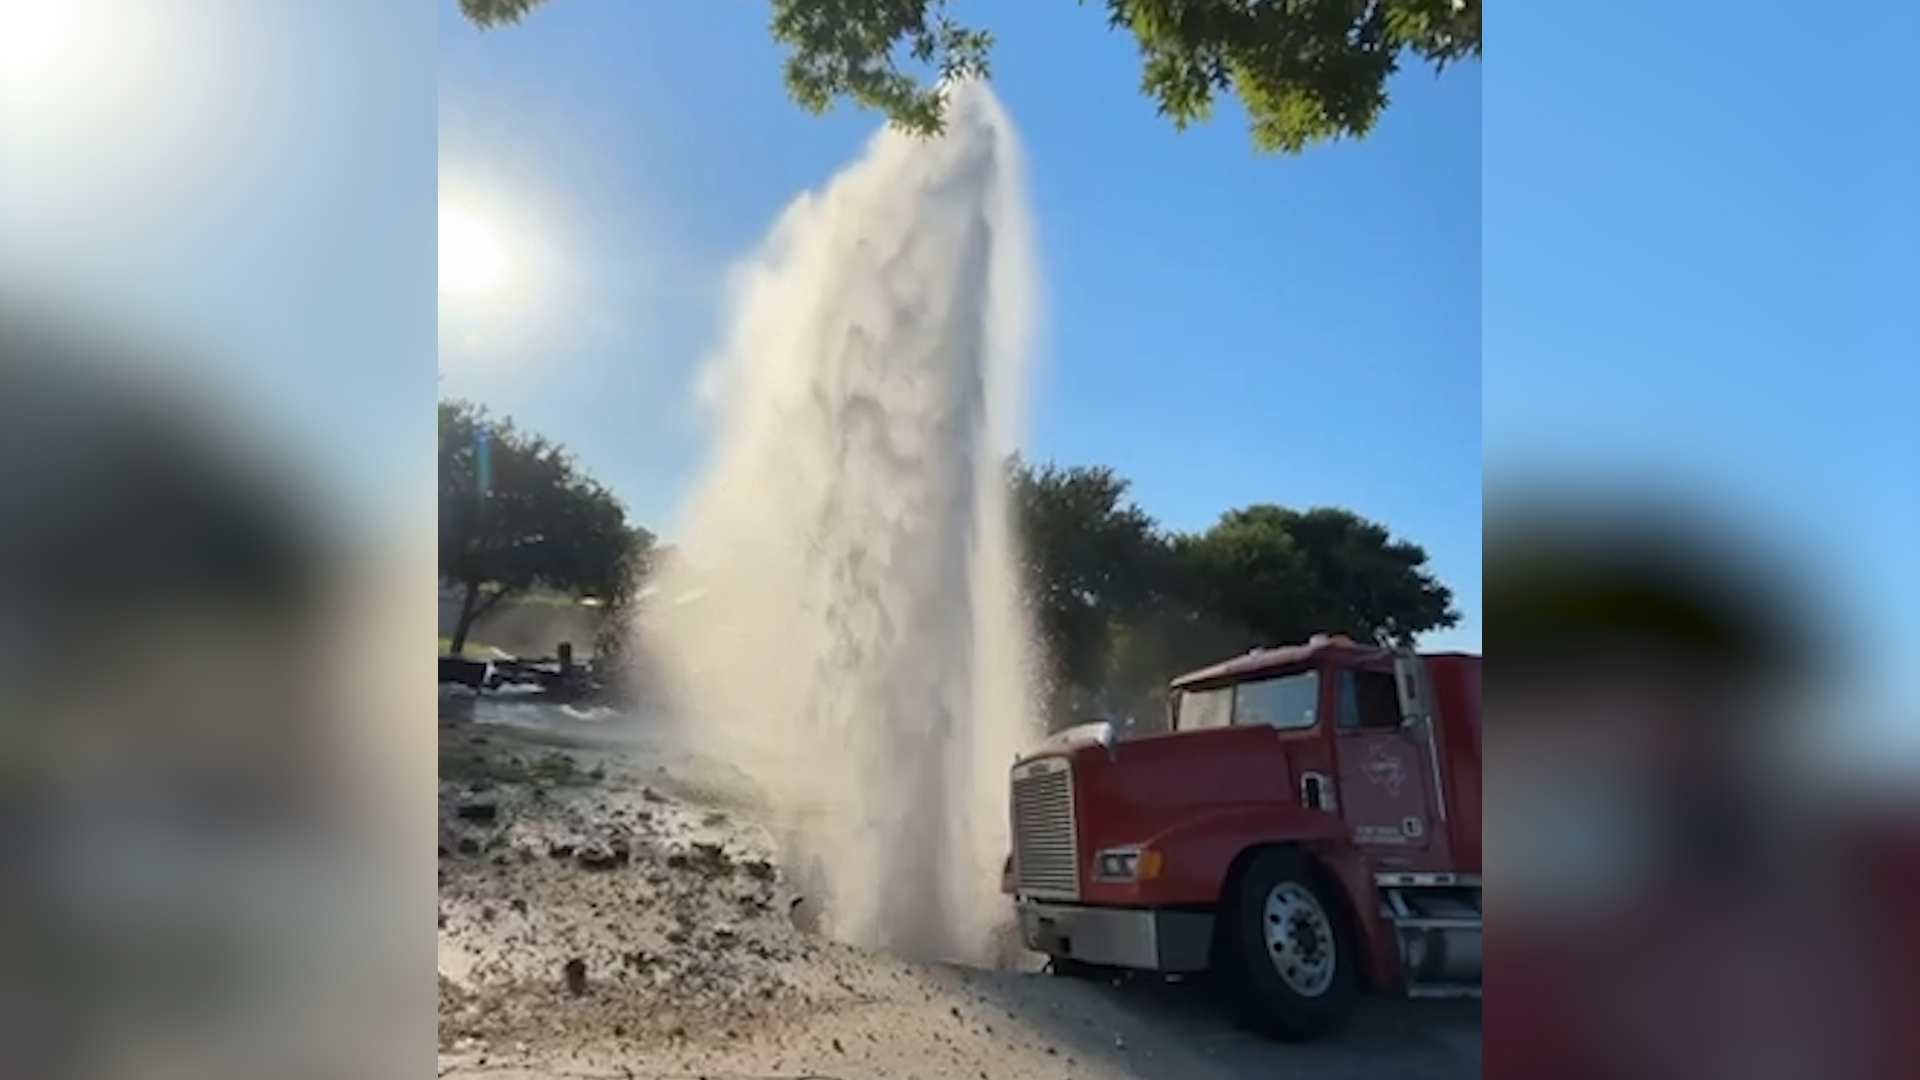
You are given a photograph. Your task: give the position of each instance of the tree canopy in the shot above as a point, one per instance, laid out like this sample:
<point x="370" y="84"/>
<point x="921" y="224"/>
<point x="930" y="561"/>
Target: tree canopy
<point x="1121" y="605"/>
<point x="1305" y="70"/>
<point x="1287" y="574"/>
<point x="516" y="514"/>
<point x="1091" y="556"/>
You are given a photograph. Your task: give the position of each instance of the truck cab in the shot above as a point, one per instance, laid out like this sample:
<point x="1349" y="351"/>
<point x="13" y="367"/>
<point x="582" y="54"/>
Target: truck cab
<point x="1307" y="829"/>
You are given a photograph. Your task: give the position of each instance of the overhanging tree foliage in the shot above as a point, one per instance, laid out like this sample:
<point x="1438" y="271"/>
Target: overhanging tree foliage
<point x="1306" y="70"/>
<point x="517" y="514"/>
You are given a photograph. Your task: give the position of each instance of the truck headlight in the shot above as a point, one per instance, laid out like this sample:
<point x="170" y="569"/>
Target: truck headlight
<point x="1131" y="863"/>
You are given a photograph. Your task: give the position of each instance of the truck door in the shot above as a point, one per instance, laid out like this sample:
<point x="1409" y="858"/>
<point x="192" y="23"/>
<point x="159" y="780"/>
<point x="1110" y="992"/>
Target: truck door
<point x="1386" y="765"/>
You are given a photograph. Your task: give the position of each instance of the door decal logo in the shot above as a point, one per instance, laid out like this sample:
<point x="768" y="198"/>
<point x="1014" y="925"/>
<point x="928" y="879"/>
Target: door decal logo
<point x="1386" y="769"/>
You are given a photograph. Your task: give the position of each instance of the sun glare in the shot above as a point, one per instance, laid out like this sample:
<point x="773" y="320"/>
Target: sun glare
<point x="470" y="259"/>
<point x="37" y="39"/>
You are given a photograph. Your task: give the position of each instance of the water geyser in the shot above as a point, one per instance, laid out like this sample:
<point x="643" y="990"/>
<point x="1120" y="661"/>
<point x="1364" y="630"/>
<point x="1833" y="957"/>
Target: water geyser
<point x="858" y="647"/>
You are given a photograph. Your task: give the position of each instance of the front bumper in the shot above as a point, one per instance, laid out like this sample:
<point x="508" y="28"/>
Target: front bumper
<point x="1145" y="939"/>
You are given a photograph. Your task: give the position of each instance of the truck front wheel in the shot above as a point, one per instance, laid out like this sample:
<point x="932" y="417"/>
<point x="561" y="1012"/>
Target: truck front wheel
<point x="1286" y="950"/>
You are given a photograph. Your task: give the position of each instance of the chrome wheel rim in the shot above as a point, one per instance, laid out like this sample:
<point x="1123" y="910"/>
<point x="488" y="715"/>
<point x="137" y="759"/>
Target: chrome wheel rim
<point x="1299" y="938"/>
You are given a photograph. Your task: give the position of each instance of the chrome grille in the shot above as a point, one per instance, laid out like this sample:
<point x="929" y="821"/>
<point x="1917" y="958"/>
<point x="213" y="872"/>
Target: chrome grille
<point x="1046" y="856"/>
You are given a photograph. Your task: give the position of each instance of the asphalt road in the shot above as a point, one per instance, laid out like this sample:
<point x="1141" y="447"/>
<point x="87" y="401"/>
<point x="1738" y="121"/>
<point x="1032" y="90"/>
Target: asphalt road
<point x="1175" y="1032"/>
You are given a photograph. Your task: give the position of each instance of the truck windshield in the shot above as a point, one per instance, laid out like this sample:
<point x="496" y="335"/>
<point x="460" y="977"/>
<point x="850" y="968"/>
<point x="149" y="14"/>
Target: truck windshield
<point x="1281" y="701"/>
<point x="1204" y="709"/>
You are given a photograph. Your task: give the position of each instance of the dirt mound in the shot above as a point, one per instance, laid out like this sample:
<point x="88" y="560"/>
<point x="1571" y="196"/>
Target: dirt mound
<point x="579" y="908"/>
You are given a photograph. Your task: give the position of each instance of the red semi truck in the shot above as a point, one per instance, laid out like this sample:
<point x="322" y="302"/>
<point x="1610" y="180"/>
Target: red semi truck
<point x="1307" y="829"/>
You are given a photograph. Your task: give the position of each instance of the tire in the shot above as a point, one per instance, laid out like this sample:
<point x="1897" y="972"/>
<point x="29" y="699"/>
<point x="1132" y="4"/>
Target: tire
<point x="1285" y="951"/>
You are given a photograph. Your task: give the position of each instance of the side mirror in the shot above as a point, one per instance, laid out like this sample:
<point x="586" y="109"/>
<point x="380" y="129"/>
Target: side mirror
<point x="1410" y="678"/>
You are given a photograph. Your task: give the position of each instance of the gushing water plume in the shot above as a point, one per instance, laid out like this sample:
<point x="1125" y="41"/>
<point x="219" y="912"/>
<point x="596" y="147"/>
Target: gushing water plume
<point x="857" y="646"/>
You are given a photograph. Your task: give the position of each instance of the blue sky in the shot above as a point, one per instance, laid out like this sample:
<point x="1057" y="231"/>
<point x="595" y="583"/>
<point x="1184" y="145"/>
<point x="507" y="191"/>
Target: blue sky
<point x="1221" y="327"/>
<point x="1709" y="278"/>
